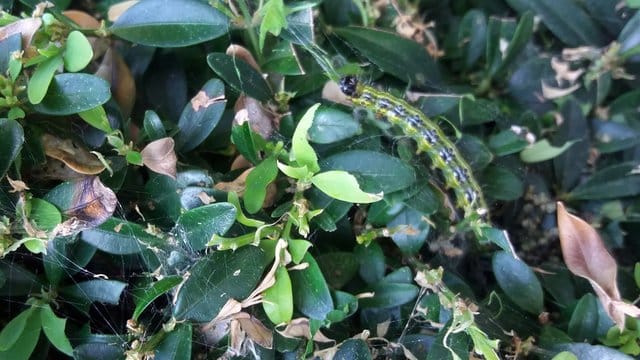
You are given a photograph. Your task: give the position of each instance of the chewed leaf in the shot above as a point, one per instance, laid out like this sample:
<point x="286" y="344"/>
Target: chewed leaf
<point x="343" y="186"/>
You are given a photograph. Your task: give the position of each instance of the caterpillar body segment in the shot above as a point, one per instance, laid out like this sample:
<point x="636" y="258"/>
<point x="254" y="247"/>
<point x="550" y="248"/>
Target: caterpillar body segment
<point x="429" y="138"/>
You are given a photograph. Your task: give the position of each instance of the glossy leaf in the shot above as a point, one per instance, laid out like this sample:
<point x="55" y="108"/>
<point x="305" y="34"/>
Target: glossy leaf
<point x="376" y="172"/>
<point x="41" y="79"/>
<point x="390" y="295"/>
<point x="196" y="226"/>
<point x="74" y="93"/>
<point x="301" y="151"/>
<point x="332" y="125"/>
<point x="12" y="137"/>
<point x="518" y="282"/>
<point x="170" y="23"/>
<point x="614" y="181"/>
<point x="343" y="186"/>
<point x="78" y="52"/>
<point x="216" y="278"/>
<point x="200" y="116"/>
<point x="277" y="301"/>
<point x="54" y="329"/>
<point x="119" y="237"/>
<point x="240" y="76"/>
<point x="383" y="49"/>
<point x="156" y="290"/>
<point x="310" y="292"/>
<point x="257" y="181"/>
<point x="176" y="345"/>
<point x="542" y="151"/>
<point x="102" y="291"/>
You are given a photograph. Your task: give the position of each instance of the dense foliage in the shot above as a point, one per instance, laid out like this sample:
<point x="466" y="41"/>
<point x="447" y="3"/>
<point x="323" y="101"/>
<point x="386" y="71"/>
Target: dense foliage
<point x="184" y="179"/>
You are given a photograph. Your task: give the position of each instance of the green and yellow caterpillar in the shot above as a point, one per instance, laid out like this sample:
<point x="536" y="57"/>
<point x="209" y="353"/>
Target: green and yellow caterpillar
<point x="430" y="139"/>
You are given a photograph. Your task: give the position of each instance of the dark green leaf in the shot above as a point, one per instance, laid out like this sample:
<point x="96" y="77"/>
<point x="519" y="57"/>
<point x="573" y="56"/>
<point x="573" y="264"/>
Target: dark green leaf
<point x="170" y="23"/>
<point x="7" y="47"/>
<point x="506" y="142"/>
<point x="584" y="319"/>
<point x="200" y="116"/>
<point x="216" y="278"/>
<point x="196" y="226"/>
<point x="574" y="30"/>
<point x="592" y="352"/>
<point x="409" y="231"/>
<point x="372" y="262"/>
<point x="376" y="172"/>
<point x="353" y="349"/>
<point x="153" y="126"/>
<point x="102" y="291"/>
<point x="332" y="125"/>
<point x="611" y="182"/>
<point x="119" y="237"/>
<point x="340" y="267"/>
<point x="73" y="93"/>
<point x="240" y="76"/>
<point x="148" y="295"/>
<point x="472" y="34"/>
<point x="19" y="281"/>
<point x="12" y="137"/>
<point x="385" y="48"/>
<point x="501" y="184"/>
<point x="176" y="345"/>
<point x="390" y="295"/>
<point x="520" y="38"/>
<point x="518" y="282"/>
<point x="310" y="292"/>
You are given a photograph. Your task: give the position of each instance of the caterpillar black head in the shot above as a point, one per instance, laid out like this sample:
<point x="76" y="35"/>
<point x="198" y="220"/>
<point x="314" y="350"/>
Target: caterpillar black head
<point x="348" y="85"/>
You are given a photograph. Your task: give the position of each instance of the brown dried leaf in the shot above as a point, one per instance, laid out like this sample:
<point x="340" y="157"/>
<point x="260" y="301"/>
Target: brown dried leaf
<point x="244" y="54"/>
<point x="586" y="256"/>
<point x="255" y="330"/>
<point x="550" y="92"/>
<point x="331" y="91"/>
<point x="238" y="185"/>
<point x="240" y="162"/>
<point x="160" y="157"/>
<point x="118" y="9"/>
<point x="83" y="19"/>
<point x="251" y="110"/>
<point x="201" y="100"/>
<point x="92" y="204"/>
<point x="123" y="87"/>
<point x="75" y="157"/>
<point x="26" y="27"/>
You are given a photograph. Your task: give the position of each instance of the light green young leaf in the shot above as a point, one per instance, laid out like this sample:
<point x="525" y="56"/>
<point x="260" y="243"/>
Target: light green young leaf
<point x="97" y="118"/>
<point x="294" y="172"/>
<point x="274" y="19"/>
<point x="12" y="331"/>
<point x="343" y="186"/>
<point x="301" y="150"/>
<point x="41" y="79"/>
<point x="278" y="299"/>
<point x="53" y="327"/>
<point x="78" y="52"/>
<point x="298" y="248"/>
<point x="543" y="150"/>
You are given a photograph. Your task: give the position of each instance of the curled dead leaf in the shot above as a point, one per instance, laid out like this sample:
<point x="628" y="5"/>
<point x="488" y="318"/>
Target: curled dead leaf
<point x="240" y="162"/>
<point x="250" y="110"/>
<point x="237" y="185"/>
<point x="201" y="100"/>
<point x="118" y="9"/>
<point x="244" y="54"/>
<point x="74" y="156"/>
<point x="331" y="91"/>
<point x="123" y="87"/>
<point x="82" y="19"/>
<point x="26" y="27"/>
<point x="586" y="256"/>
<point x="91" y="205"/>
<point x="160" y="156"/>
<point x="255" y="330"/>
<point x="550" y="92"/>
